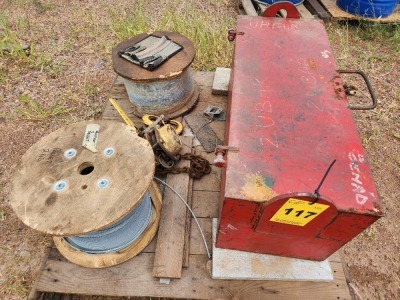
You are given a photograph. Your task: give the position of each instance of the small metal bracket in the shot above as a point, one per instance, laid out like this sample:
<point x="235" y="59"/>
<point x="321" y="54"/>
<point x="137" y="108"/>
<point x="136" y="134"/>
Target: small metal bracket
<point x="367" y="82"/>
<point x="232" y="34"/>
<point x="215" y="113"/>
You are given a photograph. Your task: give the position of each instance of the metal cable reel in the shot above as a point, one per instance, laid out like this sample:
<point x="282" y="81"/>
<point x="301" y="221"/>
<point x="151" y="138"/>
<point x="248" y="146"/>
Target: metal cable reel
<point x="91" y="187"/>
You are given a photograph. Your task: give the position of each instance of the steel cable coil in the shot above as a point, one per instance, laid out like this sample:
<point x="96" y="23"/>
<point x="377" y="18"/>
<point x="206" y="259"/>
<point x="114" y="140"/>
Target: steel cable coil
<point x="119" y="235"/>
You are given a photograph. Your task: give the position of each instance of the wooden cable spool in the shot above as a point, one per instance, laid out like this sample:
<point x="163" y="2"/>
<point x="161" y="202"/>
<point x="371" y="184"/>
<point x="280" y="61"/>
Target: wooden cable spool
<point x="170" y="89"/>
<point x="63" y="189"/>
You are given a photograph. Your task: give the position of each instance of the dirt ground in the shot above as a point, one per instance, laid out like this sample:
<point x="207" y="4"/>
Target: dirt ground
<point x="71" y="65"/>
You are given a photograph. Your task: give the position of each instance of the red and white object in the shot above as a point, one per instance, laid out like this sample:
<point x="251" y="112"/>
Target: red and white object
<point x="288" y="116"/>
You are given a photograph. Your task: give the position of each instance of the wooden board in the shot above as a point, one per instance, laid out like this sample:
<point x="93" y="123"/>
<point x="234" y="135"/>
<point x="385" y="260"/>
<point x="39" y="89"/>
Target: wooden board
<point x="134" y="277"/>
<point x="316" y="8"/>
<point x="304" y="12"/>
<point x="171" y="234"/>
<point x="338" y="14"/>
<point x="64" y="212"/>
<point x="249" y="8"/>
<point x="186" y="246"/>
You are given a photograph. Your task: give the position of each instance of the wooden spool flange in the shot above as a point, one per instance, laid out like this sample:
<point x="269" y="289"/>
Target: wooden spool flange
<point x="169" y="89"/>
<point x="83" y="205"/>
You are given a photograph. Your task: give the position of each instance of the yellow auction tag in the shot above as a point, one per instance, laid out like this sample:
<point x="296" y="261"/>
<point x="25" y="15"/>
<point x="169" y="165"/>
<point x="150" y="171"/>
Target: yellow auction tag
<point x="298" y="212"/>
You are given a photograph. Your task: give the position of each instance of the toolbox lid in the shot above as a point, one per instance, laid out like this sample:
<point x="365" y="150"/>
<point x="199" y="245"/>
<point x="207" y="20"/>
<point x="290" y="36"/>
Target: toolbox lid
<point x="288" y="116"/>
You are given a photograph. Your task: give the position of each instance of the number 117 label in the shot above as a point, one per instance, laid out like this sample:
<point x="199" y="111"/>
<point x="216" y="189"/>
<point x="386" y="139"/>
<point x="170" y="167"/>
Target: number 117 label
<point x="298" y="212"/>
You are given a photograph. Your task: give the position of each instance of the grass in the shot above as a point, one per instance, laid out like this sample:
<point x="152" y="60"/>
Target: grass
<point x="9" y="42"/>
<point x="42" y="6"/>
<point x="2" y="214"/>
<point x="349" y="34"/>
<point x="208" y="32"/>
<point x="32" y="111"/>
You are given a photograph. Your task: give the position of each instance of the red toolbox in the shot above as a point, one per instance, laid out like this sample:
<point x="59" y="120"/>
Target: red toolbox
<point x="288" y="116"/>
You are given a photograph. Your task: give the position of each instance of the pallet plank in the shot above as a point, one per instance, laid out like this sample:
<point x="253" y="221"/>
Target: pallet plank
<point x="134" y="278"/>
<point x="249" y="8"/>
<point x="205" y="204"/>
<point x="171" y="234"/>
<point x="315" y="7"/>
<point x="186" y="246"/>
<point x="304" y="12"/>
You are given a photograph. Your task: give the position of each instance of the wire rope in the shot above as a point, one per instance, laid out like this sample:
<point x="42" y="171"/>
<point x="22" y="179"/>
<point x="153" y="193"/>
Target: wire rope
<point x="119" y="235"/>
<point x="191" y="211"/>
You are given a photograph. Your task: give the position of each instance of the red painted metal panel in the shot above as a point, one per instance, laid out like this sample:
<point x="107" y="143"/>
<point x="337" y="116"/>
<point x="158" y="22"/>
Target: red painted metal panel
<point x="288" y="116"/>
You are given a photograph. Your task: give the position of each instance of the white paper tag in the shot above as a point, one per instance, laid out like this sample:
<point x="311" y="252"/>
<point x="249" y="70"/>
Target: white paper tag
<point x="91" y="136"/>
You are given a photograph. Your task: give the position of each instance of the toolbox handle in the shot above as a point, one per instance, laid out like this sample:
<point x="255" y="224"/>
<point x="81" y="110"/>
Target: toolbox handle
<point x="367" y="82"/>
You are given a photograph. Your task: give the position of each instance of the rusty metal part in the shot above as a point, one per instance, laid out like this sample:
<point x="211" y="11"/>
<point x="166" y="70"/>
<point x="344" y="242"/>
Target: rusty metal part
<point x="367" y="82"/>
<point x="164" y="160"/>
<point x="149" y="119"/>
<point x="153" y="124"/>
<point x="215" y="113"/>
<point x="350" y="90"/>
<point x="168" y="140"/>
<point x="199" y="167"/>
<point x="220" y="152"/>
<point x="292" y="12"/>
<point x="232" y="34"/>
<point x="164" y="141"/>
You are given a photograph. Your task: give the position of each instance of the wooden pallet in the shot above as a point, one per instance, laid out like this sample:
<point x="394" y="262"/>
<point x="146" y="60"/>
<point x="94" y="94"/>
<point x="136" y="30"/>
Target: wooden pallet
<point x="134" y="277"/>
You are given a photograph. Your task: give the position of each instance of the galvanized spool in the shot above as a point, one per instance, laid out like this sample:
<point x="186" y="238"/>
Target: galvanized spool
<point x="169" y="90"/>
<point x="65" y="190"/>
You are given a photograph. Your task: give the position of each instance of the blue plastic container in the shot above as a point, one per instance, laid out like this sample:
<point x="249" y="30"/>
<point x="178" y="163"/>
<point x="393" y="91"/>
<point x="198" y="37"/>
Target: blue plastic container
<point x="368" y="8"/>
<point x="295" y="2"/>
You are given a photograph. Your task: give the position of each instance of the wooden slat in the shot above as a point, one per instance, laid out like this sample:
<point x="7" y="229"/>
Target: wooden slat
<point x="186" y="246"/>
<point x="315" y="7"/>
<point x="134" y="278"/>
<point x="197" y="244"/>
<point x="118" y="92"/>
<point x="249" y="8"/>
<point x="171" y="234"/>
<point x="304" y="12"/>
<point x="205" y="204"/>
<point x="203" y="79"/>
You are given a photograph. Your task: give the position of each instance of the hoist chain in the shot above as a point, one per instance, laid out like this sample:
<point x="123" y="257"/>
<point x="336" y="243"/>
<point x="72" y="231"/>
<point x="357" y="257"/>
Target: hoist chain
<point x="199" y="166"/>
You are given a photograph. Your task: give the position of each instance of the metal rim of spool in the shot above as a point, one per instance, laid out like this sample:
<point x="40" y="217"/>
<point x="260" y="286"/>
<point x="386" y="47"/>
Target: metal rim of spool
<point x="114" y="258"/>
